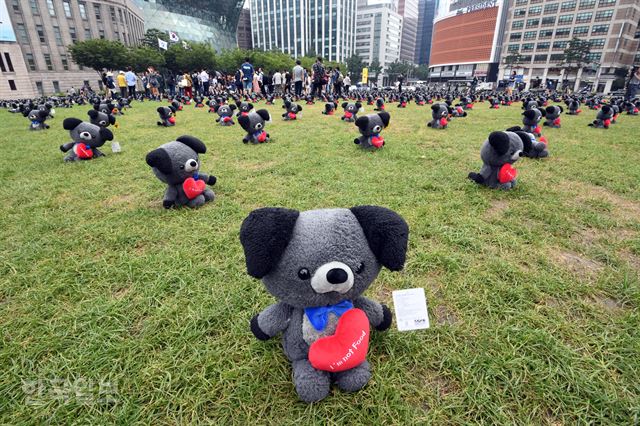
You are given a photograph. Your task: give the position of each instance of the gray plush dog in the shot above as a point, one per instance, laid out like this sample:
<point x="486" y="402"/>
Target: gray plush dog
<point x="100" y="118"/>
<point x="317" y="264"/>
<point x="177" y="164"/>
<point x="370" y="127"/>
<point x="350" y="111"/>
<point x="86" y="138"/>
<point x="254" y="123"/>
<point x="498" y="153"/>
<point x="531" y="148"/>
<point x="439" y="116"/>
<point x="38" y="118"/>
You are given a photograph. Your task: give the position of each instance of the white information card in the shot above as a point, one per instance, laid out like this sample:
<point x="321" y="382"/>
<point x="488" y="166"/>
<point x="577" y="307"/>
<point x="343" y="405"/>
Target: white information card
<point x="411" y="309"/>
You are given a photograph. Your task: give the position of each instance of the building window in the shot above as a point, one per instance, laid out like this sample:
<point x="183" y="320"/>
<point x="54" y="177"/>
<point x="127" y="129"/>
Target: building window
<point x="527" y="47"/>
<point x="30" y="61"/>
<point x="543" y="46"/>
<point x="16" y="6"/>
<point x="586" y="4"/>
<point x="117" y="35"/>
<point x="101" y="33"/>
<point x="594" y="57"/>
<point x="56" y="86"/>
<point x="22" y="33"/>
<point x="563" y="32"/>
<point x="51" y="8"/>
<point x="550" y="8"/>
<point x="557" y="57"/>
<point x="583" y="17"/>
<point x="98" y="11"/>
<point x="120" y="15"/>
<point x="546" y="34"/>
<point x="540" y="58"/>
<point x="58" y="35"/>
<point x="606" y="3"/>
<point x="580" y="31"/>
<point x="597" y="43"/>
<point x="532" y="23"/>
<point x="87" y="33"/>
<point x="521" y="2"/>
<point x="47" y="61"/>
<point x="565" y="19"/>
<point x="600" y="29"/>
<point x="604" y="15"/>
<point x="568" y="5"/>
<point x="530" y="35"/>
<point x="67" y="9"/>
<point x="513" y="48"/>
<point x="560" y="45"/>
<point x="34" y="7"/>
<point x="12" y="85"/>
<point x="537" y="10"/>
<point x="73" y="34"/>
<point x="2" y="67"/>
<point x="83" y="10"/>
<point x="515" y="36"/>
<point x="112" y="11"/>
<point x="39" y="88"/>
<point x="40" y="31"/>
<point x="548" y="21"/>
<point x="65" y="62"/>
<point x="519" y="13"/>
<point x="516" y="25"/>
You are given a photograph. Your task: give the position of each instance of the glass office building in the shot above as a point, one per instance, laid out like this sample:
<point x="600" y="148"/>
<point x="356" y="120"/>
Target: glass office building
<point x="213" y="21"/>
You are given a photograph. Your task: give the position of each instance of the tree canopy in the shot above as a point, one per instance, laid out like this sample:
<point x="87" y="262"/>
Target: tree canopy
<point x="99" y="54"/>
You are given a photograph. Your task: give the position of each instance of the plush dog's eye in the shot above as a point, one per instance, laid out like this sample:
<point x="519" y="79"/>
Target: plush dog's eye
<point x="304" y="274"/>
<point x="376" y="129"/>
<point x="259" y="126"/>
<point x="360" y="268"/>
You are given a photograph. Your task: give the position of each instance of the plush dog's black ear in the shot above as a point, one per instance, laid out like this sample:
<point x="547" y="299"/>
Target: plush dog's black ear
<point x="362" y="122"/>
<point x="526" y="140"/>
<point x="244" y="121"/>
<point x="387" y="234"/>
<point x="112" y="119"/>
<point x="529" y="114"/>
<point x="344" y="104"/>
<point x="194" y="143"/>
<point x="500" y="142"/>
<point x="514" y="129"/>
<point x="264" y="114"/>
<point x="216" y="108"/>
<point x="543" y="112"/>
<point x="160" y="110"/>
<point x="232" y="107"/>
<point x="250" y="107"/>
<point x="435" y="107"/>
<point x="106" y="134"/>
<point x="92" y="113"/>
<point x="264" y="236"/>
<point x="159" y="158"/>
<point x="238" y="103"/>
<point x="561" y="109"/>
<point x="71" y="123"/>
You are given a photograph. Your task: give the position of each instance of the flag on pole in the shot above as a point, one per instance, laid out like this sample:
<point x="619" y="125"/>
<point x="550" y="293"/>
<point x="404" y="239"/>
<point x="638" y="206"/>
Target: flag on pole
<point x="185" y="45"/>
<point x="173" y="37"/>
<point x="163" y="44"/>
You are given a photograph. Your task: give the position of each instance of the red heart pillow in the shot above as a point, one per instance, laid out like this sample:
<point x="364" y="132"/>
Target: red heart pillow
<point x="262" y="136"/>
<point x="377" y="141"/>
<point x="556" y="122"/>
<point x="192" y="187"/>
<point x="347" y="348"/>
<point x="83" y="151"/>
<point x="544" y="140"/>
<point x="226" y="119"/>
<point x="172" y="120"/>
<point x="607" y="122"/>
<point x="537" y="130"/>
<point x="347" y="114"/>
<point x="292" y="116"/>
<point x="443" y="122"/>
<point x="507" y="173"/>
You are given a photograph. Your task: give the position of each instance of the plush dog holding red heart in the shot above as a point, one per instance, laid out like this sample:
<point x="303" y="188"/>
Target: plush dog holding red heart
<point x="370" y="127"/>
<point x="318" y="264"/>
<point x="177" y="164"/>
<point x="499" y="152"/>
<point x="86" y="138"/>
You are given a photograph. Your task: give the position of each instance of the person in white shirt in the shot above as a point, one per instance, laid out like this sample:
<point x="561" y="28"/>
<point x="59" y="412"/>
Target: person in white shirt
<point x="347" y="84"/>
<point x="277" y="82"/>
<point x="298" y="78"/>
<point x="204" y="79"/>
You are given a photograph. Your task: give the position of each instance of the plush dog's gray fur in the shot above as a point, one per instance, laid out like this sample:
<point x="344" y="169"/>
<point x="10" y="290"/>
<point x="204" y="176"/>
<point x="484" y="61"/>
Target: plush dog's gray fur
<point x="499" y="148"/>
<point x="531" y="119"/>
<point x="86" y="133"/>
<point x="100" y="118"/>
<point x="438" y="111"/>
<point x="371" y="125"/>
<point x="176" y="161"/>
<point x="605" y="113"/>
<point x="223" y="111"/>
<point x="353" y="108"/>
<point x="254" y="123"/>
<point x="280" y="244"/>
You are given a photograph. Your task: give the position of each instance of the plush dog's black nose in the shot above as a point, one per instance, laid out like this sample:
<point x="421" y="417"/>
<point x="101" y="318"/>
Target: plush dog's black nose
<point x="337" y="276"/>
<point x="193" y="163"/>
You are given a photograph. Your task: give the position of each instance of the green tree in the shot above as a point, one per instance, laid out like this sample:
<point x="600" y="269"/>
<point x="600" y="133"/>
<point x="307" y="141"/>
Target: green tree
<point x="354" y="67"/>
<point x="422" y="72"/>
<point x="395" y="69"/>
<point x="576" y="55"/>
<point x="198" y="56"/>
<point x="513" y="59"/>
<point x="99" y="54"/>
<point x="142" y="57"/>
<point x="151" y="37"/>
<point x="374" y="70"/>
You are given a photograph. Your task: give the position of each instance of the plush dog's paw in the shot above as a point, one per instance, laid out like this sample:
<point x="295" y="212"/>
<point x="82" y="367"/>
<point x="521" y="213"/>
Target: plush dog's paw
<point x="386" y="319"/>
<point x="257" y="331"/>
<point x="212" y="180"/>
<point x="167" y="204"/>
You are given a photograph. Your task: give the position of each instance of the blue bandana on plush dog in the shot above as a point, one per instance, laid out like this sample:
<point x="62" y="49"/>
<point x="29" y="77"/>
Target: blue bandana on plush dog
<point x="319" y="315"/>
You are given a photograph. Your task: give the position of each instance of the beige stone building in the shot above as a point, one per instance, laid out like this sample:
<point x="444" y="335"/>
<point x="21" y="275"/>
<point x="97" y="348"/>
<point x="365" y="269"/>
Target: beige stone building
<point x="34" y="40"/>
<point x="541" y="29"/>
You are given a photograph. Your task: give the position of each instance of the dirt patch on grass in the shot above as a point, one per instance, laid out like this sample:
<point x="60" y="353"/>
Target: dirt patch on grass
<point x="577" y="264"/>
<point x="121" y="292"/>
<point x="496" y="209"/>
<point x="623" y="208"/>
<point x="605" y="303"/>
<point x="632" y="259"/>
<point x="444" y="316"/>
<point x="119" y="200"/>
<point x="258" y="166"/>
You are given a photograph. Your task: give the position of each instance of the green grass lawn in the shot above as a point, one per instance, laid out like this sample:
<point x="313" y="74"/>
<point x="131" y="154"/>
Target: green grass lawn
<point x="533" y="294"/>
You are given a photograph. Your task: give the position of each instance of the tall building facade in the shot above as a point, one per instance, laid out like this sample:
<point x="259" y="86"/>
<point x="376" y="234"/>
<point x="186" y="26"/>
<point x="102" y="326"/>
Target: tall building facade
<point x="378" y="34"/>
<point x="213" y="21"/>
<point x="540" y="31"/>
<point x="302" y="27"/>
<point x="467" y="39"/>
<point x="408" y="9"/>
<point x="426" y="13"/>
<point x="35" y="35"/>
<point x="244" y="30"/>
